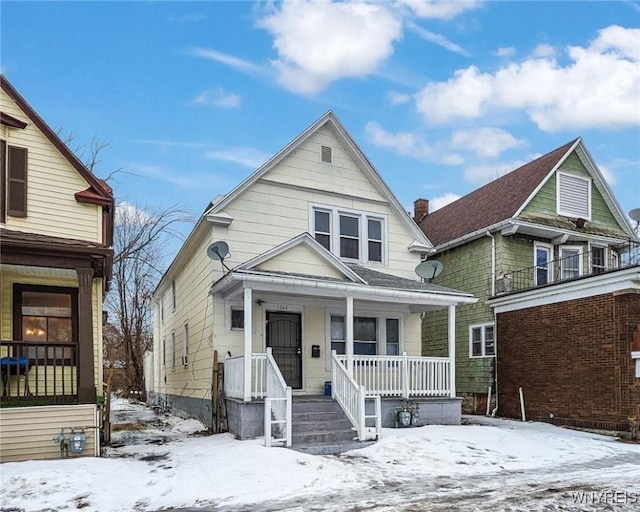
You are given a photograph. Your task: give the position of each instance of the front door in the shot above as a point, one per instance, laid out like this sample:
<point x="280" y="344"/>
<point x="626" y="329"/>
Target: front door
<point x="284" y="336"/>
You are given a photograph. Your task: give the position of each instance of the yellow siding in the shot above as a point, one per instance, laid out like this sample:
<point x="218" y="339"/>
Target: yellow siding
<point x="51" y="184"/>
<point x="301" y="260"/>
<point x="28" y="432"/>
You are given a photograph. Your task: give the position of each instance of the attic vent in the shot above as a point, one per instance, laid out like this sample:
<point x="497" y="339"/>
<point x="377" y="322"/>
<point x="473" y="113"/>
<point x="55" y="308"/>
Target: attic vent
<point x="326" y="154"/>
<point x="574" y="194"/>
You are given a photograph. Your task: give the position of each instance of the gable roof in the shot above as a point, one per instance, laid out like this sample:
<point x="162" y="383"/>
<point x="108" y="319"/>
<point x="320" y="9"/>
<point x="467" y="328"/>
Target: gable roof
<point x="98" y="192"/>
<point x="311" y="243"/>
<point x="505" y="197"/>
<point x="421" y="243"/>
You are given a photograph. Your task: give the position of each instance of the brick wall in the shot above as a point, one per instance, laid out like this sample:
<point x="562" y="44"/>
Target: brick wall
<point x="572" y="360"/>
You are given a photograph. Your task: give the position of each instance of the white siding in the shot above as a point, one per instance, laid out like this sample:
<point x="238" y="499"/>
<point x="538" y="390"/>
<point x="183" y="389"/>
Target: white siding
<point x="51" y="184"/>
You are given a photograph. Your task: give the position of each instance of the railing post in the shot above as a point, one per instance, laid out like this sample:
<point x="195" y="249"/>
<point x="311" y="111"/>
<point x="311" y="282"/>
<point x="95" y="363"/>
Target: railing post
<point x="267" y="422"/>
<point x="349" y="335"/>
<point x="405" y="376"/>
<point x="289" y="424"/>
<point x="452" y="351"/>
<point x="248" y="330"/>
<point x="361" y="413"/>
<point x="333" y="374"/>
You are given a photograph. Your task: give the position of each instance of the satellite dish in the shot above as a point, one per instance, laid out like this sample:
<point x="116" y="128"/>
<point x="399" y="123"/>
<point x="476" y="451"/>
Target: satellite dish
<point x="429" y="269"/>
<point x="635" y="214"/>
<point x="218" y="250"/>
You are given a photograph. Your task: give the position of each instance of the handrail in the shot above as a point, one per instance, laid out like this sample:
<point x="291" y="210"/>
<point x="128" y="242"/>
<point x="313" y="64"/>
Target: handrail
<point x="277" y="403"/>
<point x="351" y="397"/>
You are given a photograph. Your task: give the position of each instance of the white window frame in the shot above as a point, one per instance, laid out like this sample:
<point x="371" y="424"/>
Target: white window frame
<point x="381" y="334"/>
<point x="174" y="300"/>
<point x="483" y="330"/>
<point x="363" y="231"/>
<point x="605" y="266"/>
<point x="229" y="307"/>
<point x="313" y="225"/>
<point x="562" y="260"/>
<point x="173" y="350"/>
<point x="185" y="351"/>
<point x="549" y="248"/>
<point x="567" y="213"/>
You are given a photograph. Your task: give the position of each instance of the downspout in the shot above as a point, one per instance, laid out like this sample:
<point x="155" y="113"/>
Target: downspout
<point x="495" y="332"/>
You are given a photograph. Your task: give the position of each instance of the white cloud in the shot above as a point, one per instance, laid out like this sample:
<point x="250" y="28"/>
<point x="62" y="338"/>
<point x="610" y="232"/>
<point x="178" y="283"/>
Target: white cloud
<point x="485" y="173"/>
<point x="398" y="98"/>
<point x="506" y="51"/>
<point x="159" y="173"/>
<point x="130" y="213"/>
<point x="544" y="51"/>
<point x="608" y="174"/>
<point x="438" y="39"/>
<point x="598" y="89"/>
<point x="409" y="144"/>
<point x="218" y="98"/>
<point x="247" y="157"/>
<point x="226" y="59"/>
<point x="319" y="42"/>
<point x="486" y="142"/>
<point x="438" y="202"/>
<point x="440" y="9"/>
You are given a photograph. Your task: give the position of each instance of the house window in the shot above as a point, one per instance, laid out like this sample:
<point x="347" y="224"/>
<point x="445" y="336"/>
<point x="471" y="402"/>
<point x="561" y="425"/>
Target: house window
<point x="570" y="262"/>
<point x="173" y="350"/>
<point x="338" y="336"/>
<point x="162" y="309"/>
<point x="350" y="234"/>
<point x="349" y="237"/>
<point x="574" y="196"/>
<point x="237" y="319"/>
<point x="393" y="336"/>
<point x="164" y="351"/>
<point x="48" y="316"/>
<point x="482" y="340"/>
<point x="173" y="294"/>
<point x="614" y="259"/>
<point x="598" y="260"/>
<point x="322" y="224"/>
<point x="365" y="336"/>
<point x="543" y="271"/>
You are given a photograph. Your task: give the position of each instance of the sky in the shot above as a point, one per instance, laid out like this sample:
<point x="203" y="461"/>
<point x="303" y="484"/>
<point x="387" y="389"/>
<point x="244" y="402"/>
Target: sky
<point x="442" y="97"/>
<point x="489" y="465"/>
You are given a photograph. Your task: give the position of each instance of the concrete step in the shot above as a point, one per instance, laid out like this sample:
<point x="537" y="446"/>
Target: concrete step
<point x="318" y="415"/>
<point x="323" y="436"/>
<point x="330" y="449"/>
<point x="312" y="426"/>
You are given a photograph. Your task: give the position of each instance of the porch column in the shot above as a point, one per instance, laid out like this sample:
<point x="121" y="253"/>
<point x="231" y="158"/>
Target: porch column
<point x="248" y="330"/>
<point x="348" y="320"/>
<point x="452" y="349"/>
<point x="85" y="363"/>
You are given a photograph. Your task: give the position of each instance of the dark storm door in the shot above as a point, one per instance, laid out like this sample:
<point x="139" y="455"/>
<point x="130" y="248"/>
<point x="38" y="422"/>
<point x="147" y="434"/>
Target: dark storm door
<point x="284" y="336"/>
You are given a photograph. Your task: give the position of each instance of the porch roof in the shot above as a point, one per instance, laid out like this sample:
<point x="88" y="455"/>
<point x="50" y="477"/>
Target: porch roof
<point x="377" y="286"/>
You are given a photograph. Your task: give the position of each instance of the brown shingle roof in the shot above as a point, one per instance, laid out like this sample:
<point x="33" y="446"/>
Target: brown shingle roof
<point x="492" y="203"/>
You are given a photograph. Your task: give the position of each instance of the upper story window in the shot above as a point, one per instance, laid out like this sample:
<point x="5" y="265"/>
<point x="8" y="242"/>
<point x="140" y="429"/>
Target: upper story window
<point x="350" y="234"/>
<point x="574" y="196"/>
<point x="543" y="254"/>
<point x="13" y="176"/>
<point x="570" y="262"/>
<point x="482" y="340"/>
<point x="173" y="294"/>
<point x="598" y="260"/>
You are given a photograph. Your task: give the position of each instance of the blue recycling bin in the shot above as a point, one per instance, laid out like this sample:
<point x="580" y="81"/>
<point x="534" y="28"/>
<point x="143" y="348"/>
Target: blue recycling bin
<point x="327" y="388"/>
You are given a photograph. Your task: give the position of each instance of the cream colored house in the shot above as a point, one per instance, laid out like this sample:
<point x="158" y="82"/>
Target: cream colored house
<point x="56" y="227"/>
<point x="318" y="290"/>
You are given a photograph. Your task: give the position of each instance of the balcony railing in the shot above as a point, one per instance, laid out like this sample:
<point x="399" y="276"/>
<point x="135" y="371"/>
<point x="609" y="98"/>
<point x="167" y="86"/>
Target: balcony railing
<point x="38" y="373"/>
<point x="576" y="266"/>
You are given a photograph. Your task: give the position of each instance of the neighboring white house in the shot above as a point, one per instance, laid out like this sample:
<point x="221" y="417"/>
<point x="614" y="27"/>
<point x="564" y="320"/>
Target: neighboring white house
<point x="321" y="258"/>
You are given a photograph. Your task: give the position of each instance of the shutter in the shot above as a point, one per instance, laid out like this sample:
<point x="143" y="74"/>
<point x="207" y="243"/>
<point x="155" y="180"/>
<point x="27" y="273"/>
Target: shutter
<point x="17" y="197"/>
<point x="573" y="196"/>
<point x="326" y="154"/>
<point x="3" y="181"/>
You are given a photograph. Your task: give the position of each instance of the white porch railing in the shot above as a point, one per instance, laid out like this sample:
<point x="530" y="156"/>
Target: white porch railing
<point x="234" y="376"/>
<point x="403" y="375"/>
<point x="351" y="397"/>
<point x="277" y="404"/>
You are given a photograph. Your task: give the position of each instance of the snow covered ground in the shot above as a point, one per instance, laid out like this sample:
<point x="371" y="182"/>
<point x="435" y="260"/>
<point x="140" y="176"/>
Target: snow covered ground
<point x="161" y="462"/>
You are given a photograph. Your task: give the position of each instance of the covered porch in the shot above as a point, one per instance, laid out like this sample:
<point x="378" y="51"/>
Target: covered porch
<point x="359" y="335"/>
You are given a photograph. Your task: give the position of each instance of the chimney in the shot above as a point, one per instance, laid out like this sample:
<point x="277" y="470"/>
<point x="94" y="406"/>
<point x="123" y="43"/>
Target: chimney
<point x="420" y="209"/>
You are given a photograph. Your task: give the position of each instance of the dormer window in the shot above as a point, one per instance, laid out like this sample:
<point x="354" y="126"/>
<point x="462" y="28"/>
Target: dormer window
<point x="574" y="196"/>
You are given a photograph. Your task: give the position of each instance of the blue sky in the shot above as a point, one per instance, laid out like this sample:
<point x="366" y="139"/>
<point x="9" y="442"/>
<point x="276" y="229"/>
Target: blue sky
<point x="441" y="96"/>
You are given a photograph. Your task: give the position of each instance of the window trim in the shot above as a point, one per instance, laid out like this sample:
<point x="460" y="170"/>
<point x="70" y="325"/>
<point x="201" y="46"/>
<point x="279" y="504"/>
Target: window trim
<point x="174" y="299"/>
<point x="483" y="330"/>
<point x="381" y="330"/>
<point x="561" y="260"/>
<point x="605" y="266"/>
<point x="363" y="231"/>
<point x="3" y="181"/>
<point x="185" y="348"/>
<point x="22" y="212"/>
<point x="565" y="213"/>
<point x="550" y="274"/>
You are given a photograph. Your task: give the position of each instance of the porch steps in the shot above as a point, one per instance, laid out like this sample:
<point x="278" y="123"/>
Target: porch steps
<point x="320" y="427"/>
